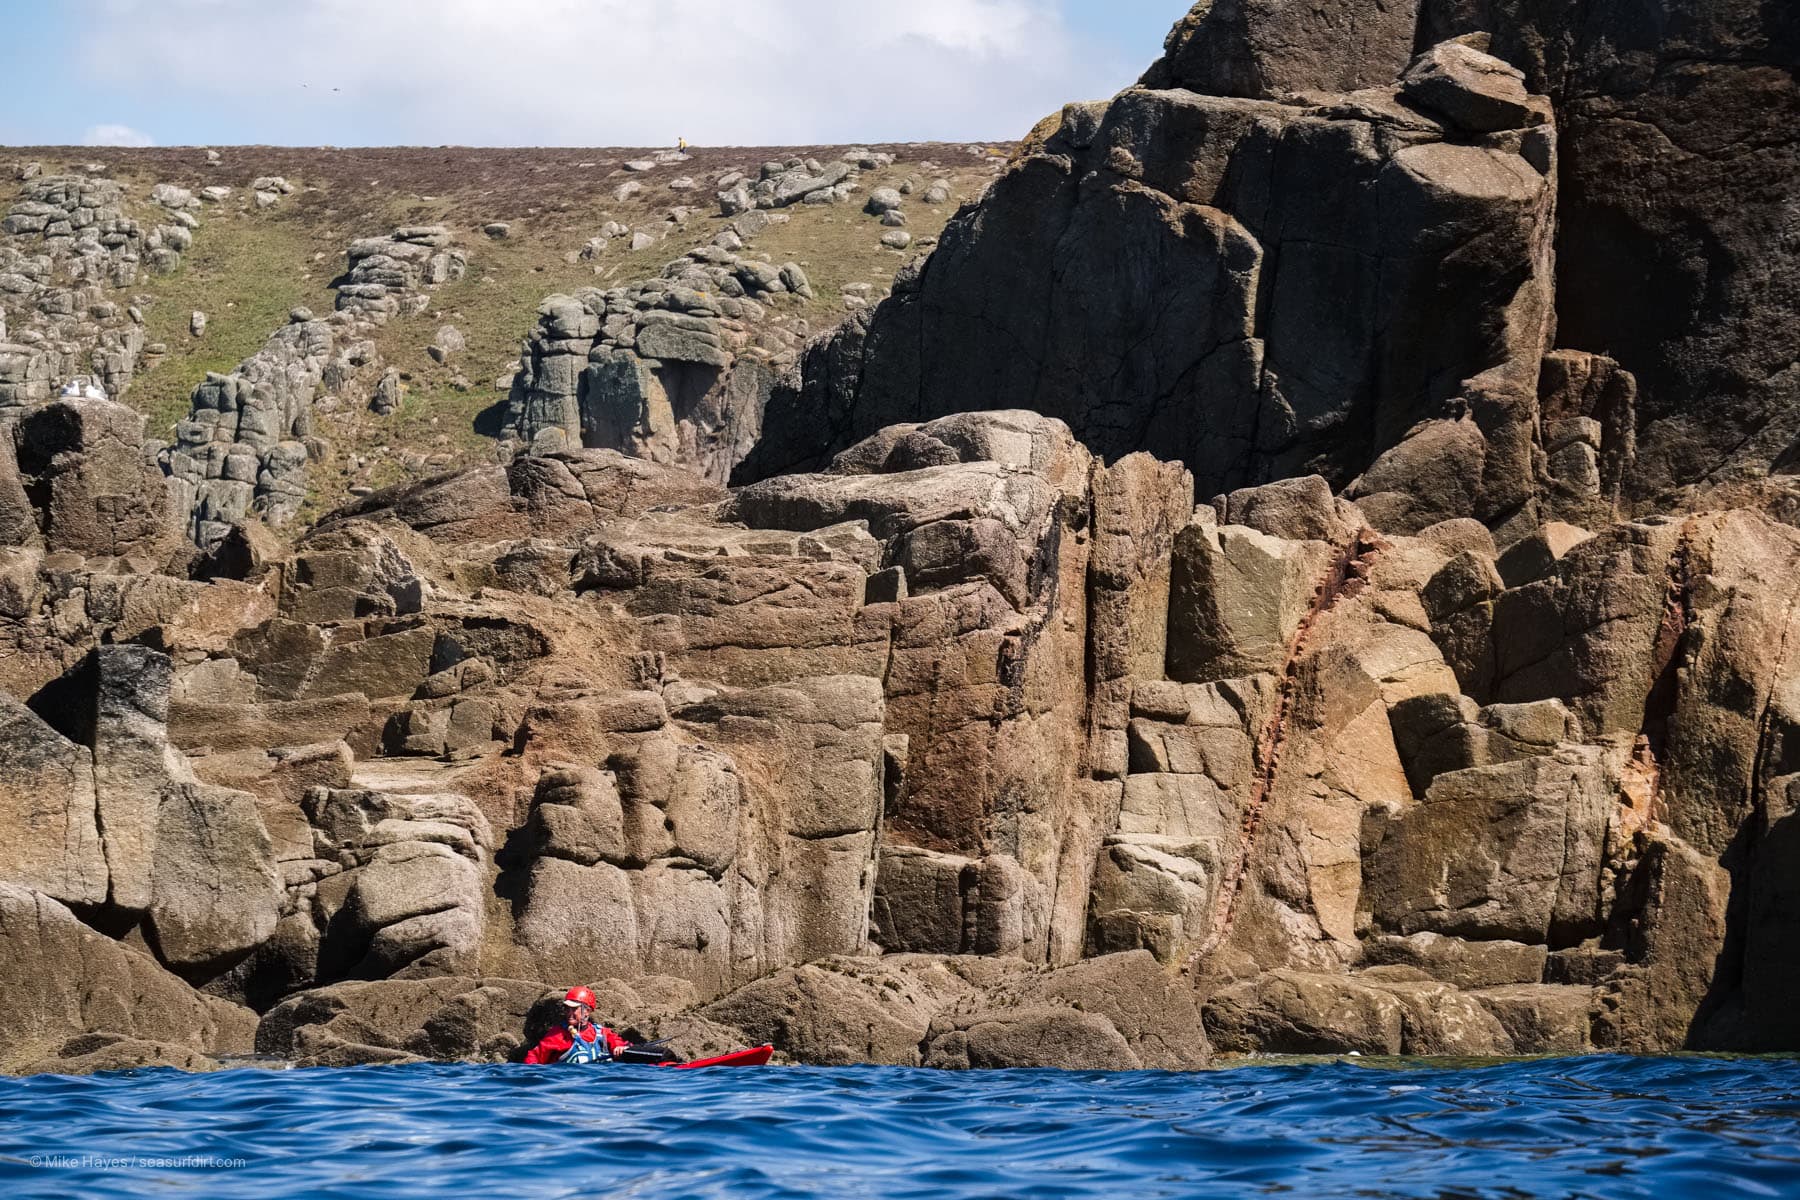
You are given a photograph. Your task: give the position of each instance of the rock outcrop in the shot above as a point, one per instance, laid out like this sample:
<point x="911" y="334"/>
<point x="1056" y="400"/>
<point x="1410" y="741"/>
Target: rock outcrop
<point x="75" y="998"/>
<point x="676" y="369"/>
<point x="1333" y="242"/>
<point x="243" y="450"/>
<point x="796" y="181"/>
<point x="68" y="247"/>
<point x="1343" y="283"/>
<point x="1006" y="747"/>
<point x="389" y="275"/>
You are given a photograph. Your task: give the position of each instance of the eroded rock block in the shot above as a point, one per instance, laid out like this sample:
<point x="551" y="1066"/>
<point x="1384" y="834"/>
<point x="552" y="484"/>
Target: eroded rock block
<point x="53" y="842"/>
<point x="1511" y="851"/>
<point x="843" y="1011"/>
<point x="1464" y="964"/>
<point x="64" y="979"/>
<point x="1472" y="90"/>
<point x="1292" y="1012"/>
<point x="1268" y="48"/>
<point x="99" y="493"/>
<point x="1236" y="599"/>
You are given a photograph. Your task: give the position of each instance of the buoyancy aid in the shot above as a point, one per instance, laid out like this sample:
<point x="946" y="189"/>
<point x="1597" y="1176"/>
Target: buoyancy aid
<point x="587" y="1051"/>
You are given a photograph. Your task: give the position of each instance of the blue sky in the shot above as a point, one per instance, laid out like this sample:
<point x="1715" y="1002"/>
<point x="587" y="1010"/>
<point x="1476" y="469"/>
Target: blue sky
<point x="558" y="72"/>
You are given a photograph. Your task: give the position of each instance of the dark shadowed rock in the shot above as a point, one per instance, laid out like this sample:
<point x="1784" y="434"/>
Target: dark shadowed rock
<point x="1204" y="277"/>
<point x="1265" y="48"/>
<point x="1679" y="152"/>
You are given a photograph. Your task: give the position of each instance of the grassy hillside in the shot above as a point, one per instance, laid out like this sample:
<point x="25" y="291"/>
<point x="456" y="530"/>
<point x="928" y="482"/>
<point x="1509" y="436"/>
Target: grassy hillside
<point x="250" y="265"/>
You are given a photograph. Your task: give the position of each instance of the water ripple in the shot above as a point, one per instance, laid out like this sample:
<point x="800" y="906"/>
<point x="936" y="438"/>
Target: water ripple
<point x="1594" y="1127"/>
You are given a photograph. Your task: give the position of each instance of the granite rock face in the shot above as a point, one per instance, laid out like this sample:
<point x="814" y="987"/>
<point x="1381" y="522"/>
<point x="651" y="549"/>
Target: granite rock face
<point x="968" y="749"/>
<point x="1341" y="282"/>
<point x="1334" y="239"/>
<point x="1458" y="716"/>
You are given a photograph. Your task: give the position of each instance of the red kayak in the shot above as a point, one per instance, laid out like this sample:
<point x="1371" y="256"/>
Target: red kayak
<point x="756" y="1056"/>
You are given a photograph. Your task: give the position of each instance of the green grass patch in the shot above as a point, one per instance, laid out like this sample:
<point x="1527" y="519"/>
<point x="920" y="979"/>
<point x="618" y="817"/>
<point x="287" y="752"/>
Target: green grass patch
<point x="249" y="267"/>
<point x="245" y="271"/>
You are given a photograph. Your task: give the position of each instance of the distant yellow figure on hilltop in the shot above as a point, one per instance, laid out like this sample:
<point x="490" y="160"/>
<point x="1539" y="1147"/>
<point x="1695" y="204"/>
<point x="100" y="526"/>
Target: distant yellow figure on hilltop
<point x="681" y="144"/>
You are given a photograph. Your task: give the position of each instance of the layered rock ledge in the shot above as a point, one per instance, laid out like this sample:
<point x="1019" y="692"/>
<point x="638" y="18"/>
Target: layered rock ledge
<point x="970" y="750"/>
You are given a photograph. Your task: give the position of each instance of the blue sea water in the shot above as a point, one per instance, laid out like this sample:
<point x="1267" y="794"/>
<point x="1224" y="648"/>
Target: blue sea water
<point x="1589" y="1127"/>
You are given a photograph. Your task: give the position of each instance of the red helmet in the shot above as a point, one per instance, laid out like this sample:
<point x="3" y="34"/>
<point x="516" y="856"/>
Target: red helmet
<point x="580" y="995"/>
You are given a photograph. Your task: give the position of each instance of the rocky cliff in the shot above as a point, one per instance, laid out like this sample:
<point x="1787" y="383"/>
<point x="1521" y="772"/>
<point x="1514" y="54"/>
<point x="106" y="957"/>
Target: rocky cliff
<point x="1241" y="592"/>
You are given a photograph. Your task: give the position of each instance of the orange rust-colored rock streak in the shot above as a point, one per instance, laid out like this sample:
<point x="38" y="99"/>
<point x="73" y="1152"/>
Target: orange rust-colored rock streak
<point x="1348" y="574"/>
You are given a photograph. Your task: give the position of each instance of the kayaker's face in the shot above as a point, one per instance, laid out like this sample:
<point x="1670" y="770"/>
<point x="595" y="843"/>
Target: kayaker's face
<point x="579" y="1015"/>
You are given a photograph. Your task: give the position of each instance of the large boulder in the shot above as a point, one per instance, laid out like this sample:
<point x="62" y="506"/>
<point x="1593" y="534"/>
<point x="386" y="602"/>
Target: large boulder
<point x="60" y="979"/>
<point x="1120" y="1011"/>
<point x="1513" y="851"/>
<point x="53" y="842"/>
<point x="1155" y="1011"/>
<point x="1269" y="48"/>
<point x="87" y="1053"/>
<point x="1291" y="1012"/>
<point x="1236" y="599"/>
<point x="1474" y="91"/>
<point x="214" y="894"/>
<point x="1065" y="1038"/>
<point x="451" y="1017"/>
<point x="1386" y="1010"/>
<point x="841" y="1012"/>
<point x="100" y="494"/>
<point x="414" y="894"/>
<point x="1543" y="1018"/>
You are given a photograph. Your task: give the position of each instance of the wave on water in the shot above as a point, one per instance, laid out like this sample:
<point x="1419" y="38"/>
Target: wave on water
<point x="1587" y="1127"/>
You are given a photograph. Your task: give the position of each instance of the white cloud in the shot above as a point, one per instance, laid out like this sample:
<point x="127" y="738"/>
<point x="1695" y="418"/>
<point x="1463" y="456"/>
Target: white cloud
<point x="604" y="72"/>
<point x="115" y="135"/>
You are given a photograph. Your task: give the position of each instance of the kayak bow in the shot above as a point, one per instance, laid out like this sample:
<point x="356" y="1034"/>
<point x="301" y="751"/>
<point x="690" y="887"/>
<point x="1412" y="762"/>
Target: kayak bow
<point x="755" y="1056"/>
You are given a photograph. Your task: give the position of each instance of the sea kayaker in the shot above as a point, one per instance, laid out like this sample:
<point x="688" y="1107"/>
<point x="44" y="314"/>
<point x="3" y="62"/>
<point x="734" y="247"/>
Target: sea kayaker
<point x="579" y="1040"/>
